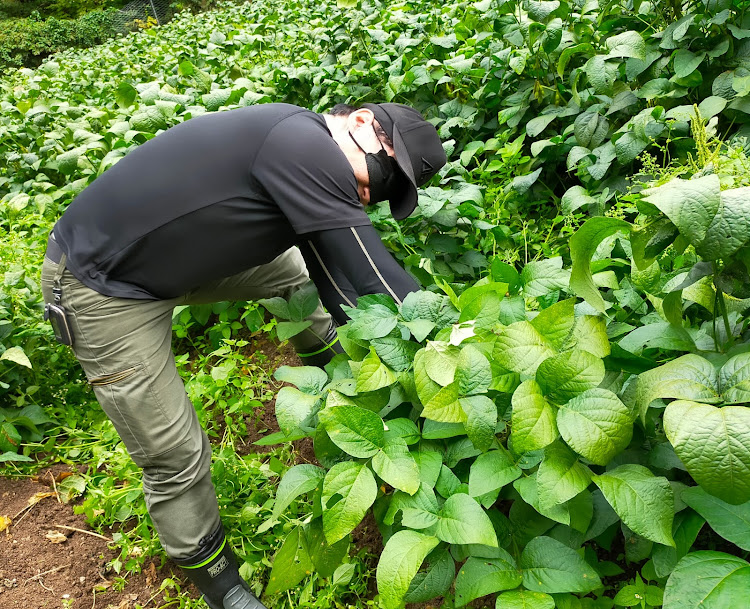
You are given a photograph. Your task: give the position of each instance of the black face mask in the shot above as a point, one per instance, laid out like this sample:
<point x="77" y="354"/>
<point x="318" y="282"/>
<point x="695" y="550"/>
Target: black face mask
<point x="383" y="173"/>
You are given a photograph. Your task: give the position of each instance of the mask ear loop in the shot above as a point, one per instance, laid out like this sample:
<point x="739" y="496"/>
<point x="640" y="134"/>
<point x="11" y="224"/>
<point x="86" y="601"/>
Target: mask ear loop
<point x="351" y="135"/>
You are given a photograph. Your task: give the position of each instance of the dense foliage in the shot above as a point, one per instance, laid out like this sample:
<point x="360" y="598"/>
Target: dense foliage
<point x="28" y="41"/>
<point x="563" y="410"/>
<point x="61" y="9"/>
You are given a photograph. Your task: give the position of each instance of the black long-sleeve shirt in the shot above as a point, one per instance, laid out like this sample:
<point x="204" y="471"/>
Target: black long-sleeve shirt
<point x="347" y="263"/>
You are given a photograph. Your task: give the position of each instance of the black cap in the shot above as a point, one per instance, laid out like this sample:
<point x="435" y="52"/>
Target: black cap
<point x="419" y="152"/>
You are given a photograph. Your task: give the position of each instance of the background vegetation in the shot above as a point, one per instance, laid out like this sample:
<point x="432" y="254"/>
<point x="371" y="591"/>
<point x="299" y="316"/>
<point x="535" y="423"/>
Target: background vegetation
<point x="562" y="412"/>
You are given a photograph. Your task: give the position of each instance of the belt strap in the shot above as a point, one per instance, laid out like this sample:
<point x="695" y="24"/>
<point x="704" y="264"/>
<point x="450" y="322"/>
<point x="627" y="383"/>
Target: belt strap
<point x="56" y="254"/>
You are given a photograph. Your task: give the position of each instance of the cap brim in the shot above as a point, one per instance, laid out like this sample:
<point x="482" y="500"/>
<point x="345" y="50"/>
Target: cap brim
<point x="403" y="206"/>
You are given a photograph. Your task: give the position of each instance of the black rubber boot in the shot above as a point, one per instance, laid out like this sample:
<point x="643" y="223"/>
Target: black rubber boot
<point x="323" y="352"/>
<point x="214" y="572"/>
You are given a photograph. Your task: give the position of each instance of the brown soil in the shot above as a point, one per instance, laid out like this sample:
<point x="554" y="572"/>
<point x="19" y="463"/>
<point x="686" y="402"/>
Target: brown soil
<point x="43" y="565"/>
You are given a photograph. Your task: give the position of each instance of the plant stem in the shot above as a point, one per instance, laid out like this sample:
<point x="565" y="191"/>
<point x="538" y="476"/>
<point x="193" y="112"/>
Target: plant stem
<point x="723" y="308"/>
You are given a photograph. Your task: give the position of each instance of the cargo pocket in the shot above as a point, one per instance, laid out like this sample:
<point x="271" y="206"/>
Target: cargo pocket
<point x="115" y="377"/>
<point x="128" y="398"/>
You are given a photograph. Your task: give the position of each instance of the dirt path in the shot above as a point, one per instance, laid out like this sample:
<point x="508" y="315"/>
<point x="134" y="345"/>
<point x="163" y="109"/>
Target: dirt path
<point x="44" y="565"/>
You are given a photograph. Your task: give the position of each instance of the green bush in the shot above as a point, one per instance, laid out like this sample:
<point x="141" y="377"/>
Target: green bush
<point x="25" y="42"/>
<point x="62" y="9"/>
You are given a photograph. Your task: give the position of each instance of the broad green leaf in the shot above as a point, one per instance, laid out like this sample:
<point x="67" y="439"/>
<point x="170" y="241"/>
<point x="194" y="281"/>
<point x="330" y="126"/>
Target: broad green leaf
<point x="425" y="386"/>
<point x="481" y="420"/>
<point x="690" y="204"/>
<point x="689" y="377"/>
<point x="357" y="489"/>
<point x="601" y="73"/>
<point x="533" y="423"/>
<point x="708" y="580"/>
<point x="644" y="502"/>
<point x="303" y="302"/>
<point x="569" y="52"/>
<point x="711" y="106"/>
<point x="734" y="379"/>
<point x="539" y="10"/>
<point x="481" y="576"/>
<point x="596" y="424"/>
<point x="325" y="557"/>
<point x="402" y="428"/>
<point x="447" y="483"/>
<point x="575" y="155"/>
<point x="556" y="322"/>
<point x="429" y="306"/>
<point x="430" y="462"/>
<point x="435" y="581"/>
<point x="445" y="406"/>
<point x="298" y="480"/>
<point x="396" y="353"/>
<point x="603" y="516"/>
<point x="420" y="328"/>
<point x="294" y="409"/>
<point x="419" y="511"/>
<point x="395" y="465"/>
<point x="583" y="244"/>
<point x="376" y="322"/>
<point x="521" y="348"/>
<point x="574" y="198"/>
<point x="287" y="329"/>
<point x="729" y="228"/>
<point x="590" y="334"/>
<point x="373" y="374"/>
<point x="462" y="520"/>
<point x="491" y="471"/>
<point x="13" y="456"/>
<point x="714" y="445"/>
<point x="402" y="556"/>
<point x="290" y="565"/>
<point x="309" y="379"/>
<point x="473" y="371"/>
<point x="686" y="62"/>
<point x="687" y="525"/>
<point x="459" y="449"/>
<point x="125" y="95"/>
<point x="17" y="356"/>
<point x="629" y="145"/>
<point x="482" y="303"/>
<point x="552" y="35"/>
<point x="434" y="430"/>
<point x="581" y="509"/>
<point x="524" y="599"/>
<point x="522" y="184"/>
<point x="552" y="567"/>
<point x="732" y="522"/>
<point x="564" y="376"/>
<point x="528" y="488"/>
<point x="627" y="44"/>
<point x="544" y="276"/>
<point x="538" y="124"/>
<point x="655" y="88"/>
<point x="440" y="361"/>
<point x="357" y="431"/>
<point x="590" y="129"/>
<point x="560" y="476"/>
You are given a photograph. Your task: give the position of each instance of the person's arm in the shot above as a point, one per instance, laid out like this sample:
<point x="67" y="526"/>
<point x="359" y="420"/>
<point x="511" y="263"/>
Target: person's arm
<point x="346" y="263"/>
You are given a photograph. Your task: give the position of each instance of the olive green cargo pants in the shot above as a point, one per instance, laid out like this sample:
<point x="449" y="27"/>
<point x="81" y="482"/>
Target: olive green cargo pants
<point x="125" y="349"/>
